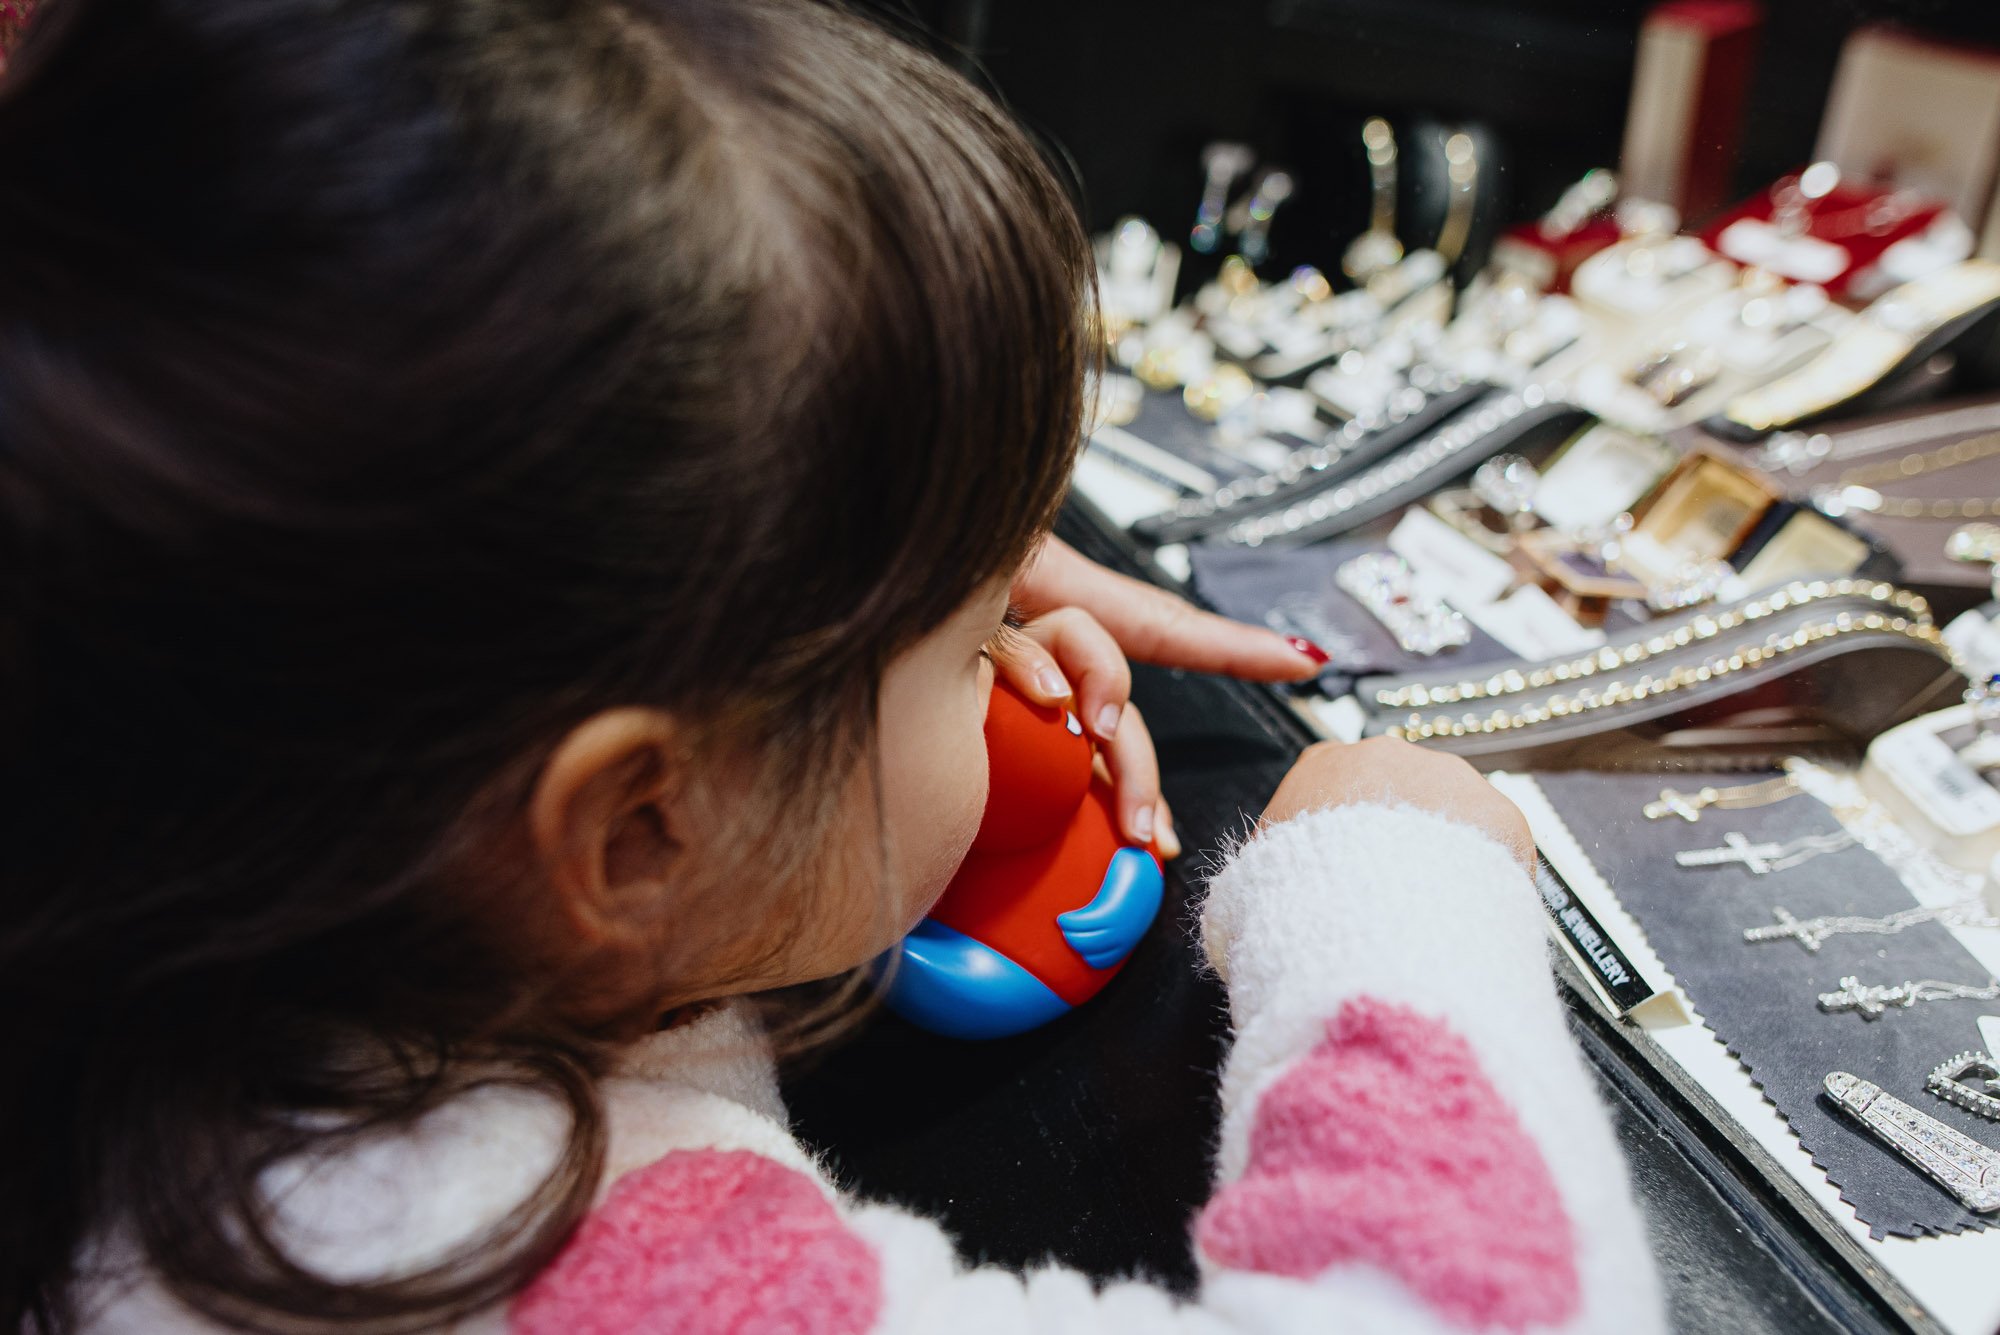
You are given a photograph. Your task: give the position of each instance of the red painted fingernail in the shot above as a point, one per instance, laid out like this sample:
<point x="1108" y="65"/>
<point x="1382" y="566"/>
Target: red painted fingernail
<point x="1319" y="656"/>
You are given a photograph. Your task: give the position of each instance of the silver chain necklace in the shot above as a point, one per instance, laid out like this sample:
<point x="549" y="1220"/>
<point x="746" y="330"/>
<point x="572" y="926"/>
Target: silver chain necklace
<point x="1812" y="933"/>
<point x="1762" y="859"/>
<point x="1873" y="1001"/>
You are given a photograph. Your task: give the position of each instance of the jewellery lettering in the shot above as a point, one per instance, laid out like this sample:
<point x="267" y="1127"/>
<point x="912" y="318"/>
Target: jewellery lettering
<point x="1873" y="1001"/>
<point x="1762" y="859"/>
<point x="1947" y="1081"/>
<point x="1955" y="1161"/>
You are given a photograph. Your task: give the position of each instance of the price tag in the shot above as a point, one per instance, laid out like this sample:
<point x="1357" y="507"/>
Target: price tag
<point x="1533" y="625"/>
<point x="1452" y="565"/>
<point x="1931" y="775"/>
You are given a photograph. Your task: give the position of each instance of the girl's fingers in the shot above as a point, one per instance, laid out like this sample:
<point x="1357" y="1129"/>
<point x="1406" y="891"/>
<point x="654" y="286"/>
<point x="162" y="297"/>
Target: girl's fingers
<point x="1091" y="661"/>
<point x="1169" y="840"/>
<point x="1032" y="669"/>
<point x="1135" y="775"/>
<point x="1155" y="626"/>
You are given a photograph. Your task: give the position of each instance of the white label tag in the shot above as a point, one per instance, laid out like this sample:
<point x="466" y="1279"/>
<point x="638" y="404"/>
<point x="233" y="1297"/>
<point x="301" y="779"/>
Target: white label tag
<point x="1805" y="258"/>
<point x="1533" y="626"/>
<point x="1603" y="472"/>
<point x="1451" y="565"/>
<point x="1239" y="341"/>
<point x="1342" y="719"/>
<point x="1930" y="774"/>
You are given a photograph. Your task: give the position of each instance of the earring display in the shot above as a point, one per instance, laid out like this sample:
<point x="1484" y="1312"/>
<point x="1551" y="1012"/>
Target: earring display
<point x="1378" y="247"/>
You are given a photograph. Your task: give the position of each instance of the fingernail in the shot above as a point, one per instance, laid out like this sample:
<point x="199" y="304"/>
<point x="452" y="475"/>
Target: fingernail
<point x="1052" y="684"/>
<point x="1142" y="825"/>
<point x="1170" y="843"/>
<point x="1319" y="656"/>
<point x="1107" y="721"/>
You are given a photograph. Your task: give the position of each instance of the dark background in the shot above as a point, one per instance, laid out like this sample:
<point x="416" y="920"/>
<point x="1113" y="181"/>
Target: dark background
<point x="1128" y="91"/>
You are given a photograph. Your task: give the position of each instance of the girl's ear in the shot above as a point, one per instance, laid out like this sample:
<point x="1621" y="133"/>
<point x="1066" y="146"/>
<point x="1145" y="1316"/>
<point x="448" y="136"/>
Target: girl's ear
<point x="603" y="827"/>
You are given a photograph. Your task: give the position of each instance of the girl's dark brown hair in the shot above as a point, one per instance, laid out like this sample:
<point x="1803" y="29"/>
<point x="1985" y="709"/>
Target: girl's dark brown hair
<point x="386" y="387"/>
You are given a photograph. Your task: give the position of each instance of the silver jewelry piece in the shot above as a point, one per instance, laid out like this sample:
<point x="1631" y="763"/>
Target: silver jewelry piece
<point x="1955" y="1161"/>
<point x="1762" y="859"/>
<point x="1929" y="877"/>
<point x="1948" y="1082"/>
<point x="1384" y="584"/>
<point x="1813" y="932"/>
<point x="1873" y="1001"/>
<point x="1689" y="806"/>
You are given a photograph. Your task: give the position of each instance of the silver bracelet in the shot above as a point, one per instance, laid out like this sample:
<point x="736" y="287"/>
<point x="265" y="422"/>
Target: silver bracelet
<point x="1955" y="1161"/>
<point x="1947" y="1081"/>
<point x="1406" y="466"/>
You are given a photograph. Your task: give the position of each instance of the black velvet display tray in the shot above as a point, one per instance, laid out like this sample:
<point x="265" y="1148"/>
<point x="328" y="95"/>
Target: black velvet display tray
<point x="1761" y="998"/>
<point x="1292" y="591"/>
<point x="1163" y="421"/>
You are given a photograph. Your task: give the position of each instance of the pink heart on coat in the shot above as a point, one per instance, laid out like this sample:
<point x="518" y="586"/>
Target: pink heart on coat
<point x="1387" y="1146"/>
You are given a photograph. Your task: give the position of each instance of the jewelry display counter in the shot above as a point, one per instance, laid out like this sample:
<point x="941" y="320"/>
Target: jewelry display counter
<point x="1097" y="1129"/>
<point x="1672" y="508"/>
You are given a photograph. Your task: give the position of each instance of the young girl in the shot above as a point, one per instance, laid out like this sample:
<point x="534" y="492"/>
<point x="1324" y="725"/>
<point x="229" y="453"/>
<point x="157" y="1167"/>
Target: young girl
<point x="506" y="507"/>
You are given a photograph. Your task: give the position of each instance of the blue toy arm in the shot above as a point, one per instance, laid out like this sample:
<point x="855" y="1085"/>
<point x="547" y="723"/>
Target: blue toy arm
<point x="950" y="984"/>
<point x="1105" y="930"/>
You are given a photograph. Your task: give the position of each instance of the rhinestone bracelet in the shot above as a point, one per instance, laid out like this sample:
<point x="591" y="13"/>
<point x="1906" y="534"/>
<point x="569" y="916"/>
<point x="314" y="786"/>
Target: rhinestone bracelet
<point x="1403" y="405"/>
<point x="1610" y="659"/>
<point x="1406" y="466"/>
<point x="1419" y="728"/>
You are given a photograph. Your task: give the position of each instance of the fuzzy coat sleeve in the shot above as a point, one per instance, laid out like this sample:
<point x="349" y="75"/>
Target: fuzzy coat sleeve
<point x="1410" y="1143"/>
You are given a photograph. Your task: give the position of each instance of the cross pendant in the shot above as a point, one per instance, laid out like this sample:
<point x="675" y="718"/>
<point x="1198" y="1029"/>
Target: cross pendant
<point x="1756" y="858"/>
<point x="1673" y="802"/>
<point x="1811" y="934"/>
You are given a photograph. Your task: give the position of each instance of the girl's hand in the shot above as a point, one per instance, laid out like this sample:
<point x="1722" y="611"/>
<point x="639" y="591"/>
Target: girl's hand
<point x="1154" y="626"/>
<point x="1383" y="769"/>
<point x="1081" y="622"/>
<point x="1066" y="657"/>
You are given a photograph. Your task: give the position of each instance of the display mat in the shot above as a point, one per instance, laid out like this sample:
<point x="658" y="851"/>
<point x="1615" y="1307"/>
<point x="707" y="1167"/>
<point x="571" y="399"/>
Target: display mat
<point x="1292" y="591"/>
<point x="1760" y="998"/>
<point x="1164" y="424"/>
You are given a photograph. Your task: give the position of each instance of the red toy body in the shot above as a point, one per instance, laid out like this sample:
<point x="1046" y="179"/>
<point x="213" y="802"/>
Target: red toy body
<point x="1050" y="899"/>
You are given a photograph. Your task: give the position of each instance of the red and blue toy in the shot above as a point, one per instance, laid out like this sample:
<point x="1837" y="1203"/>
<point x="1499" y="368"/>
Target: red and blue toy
<point x="1050" y="900"/>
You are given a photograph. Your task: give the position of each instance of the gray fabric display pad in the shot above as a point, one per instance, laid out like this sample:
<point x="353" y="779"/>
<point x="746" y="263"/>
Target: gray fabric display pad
<point x="1163" y="421"/>
<point x="1292" y="591"/>
<point x="1761" y="998"/>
